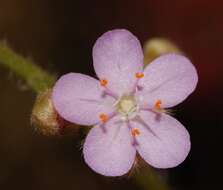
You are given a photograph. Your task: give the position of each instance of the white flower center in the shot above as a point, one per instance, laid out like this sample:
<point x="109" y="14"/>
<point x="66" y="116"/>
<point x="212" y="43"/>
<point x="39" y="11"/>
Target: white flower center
<point x="127" y="107"/>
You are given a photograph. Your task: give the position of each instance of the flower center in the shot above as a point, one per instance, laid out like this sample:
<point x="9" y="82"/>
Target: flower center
<point x="126" y="106"/>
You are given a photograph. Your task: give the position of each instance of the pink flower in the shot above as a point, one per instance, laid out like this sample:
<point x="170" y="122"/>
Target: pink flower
<point x="126" y="105"/>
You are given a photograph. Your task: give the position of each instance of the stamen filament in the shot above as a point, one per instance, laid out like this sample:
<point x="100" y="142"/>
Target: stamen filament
<point x="103" y="83"/>
<point x="138" y="76"/>
<point x="110" y="93"/>
<point x="134" y="140"/>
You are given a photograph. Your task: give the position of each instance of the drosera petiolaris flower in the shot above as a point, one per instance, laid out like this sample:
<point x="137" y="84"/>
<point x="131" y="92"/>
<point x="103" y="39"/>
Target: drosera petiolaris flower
<point x="126" y="105"/>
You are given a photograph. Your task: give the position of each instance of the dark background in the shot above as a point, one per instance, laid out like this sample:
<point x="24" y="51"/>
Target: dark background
<point x="59" y="36"/>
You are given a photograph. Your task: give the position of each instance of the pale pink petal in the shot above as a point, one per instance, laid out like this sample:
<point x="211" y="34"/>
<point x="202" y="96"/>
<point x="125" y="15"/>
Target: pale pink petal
<point x="108" y="150"/>
<point x="163" y="141"/>
<point x="79" y="99"/>
<point x="169" y="78"/>
<point x="117" y="56"/>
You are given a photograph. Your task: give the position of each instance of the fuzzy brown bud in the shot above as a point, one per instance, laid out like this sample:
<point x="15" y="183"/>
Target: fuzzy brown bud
<point x="44" y="117"/>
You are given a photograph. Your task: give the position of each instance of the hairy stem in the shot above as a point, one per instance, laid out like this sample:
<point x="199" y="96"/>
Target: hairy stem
<point x="34" y="76"/>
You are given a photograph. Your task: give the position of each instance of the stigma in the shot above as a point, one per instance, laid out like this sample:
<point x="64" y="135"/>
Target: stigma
<point x="127" y="107"/>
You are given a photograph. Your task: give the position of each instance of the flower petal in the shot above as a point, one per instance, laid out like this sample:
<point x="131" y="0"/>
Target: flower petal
<point x="163" y="141"/>
<point x="169" y="78"/>
<point x="108" y="150"/>
<point x="117" y="56"/>
<point x="79" y="99"/>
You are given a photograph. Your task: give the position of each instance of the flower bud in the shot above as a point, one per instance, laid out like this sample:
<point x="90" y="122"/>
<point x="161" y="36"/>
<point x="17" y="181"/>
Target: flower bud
<point x="44" y="117"/>
<point x="158" y="46"/>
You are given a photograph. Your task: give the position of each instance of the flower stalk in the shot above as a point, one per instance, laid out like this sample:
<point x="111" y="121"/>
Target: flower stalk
<point x="34" y="76"/>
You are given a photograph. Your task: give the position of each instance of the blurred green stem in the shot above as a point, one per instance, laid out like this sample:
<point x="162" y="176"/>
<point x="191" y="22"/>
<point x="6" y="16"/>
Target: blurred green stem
<point x="148" y="179"/>
<point x="39" y="80"/>
<point x="34" y="76"/>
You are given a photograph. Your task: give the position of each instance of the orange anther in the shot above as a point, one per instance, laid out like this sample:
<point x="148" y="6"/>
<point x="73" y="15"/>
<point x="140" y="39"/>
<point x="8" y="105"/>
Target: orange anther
<point x="139" y="75"/>
<point x="103" y="82"/>
<point x="103" y="117"/>
<point x="135" y="132"/>
<point x="158" y="105"/>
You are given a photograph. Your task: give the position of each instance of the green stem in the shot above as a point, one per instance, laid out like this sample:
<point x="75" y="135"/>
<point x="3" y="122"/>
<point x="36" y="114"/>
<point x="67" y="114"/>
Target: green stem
<point x="148" y="179"/>
<point x="35" y="77"/>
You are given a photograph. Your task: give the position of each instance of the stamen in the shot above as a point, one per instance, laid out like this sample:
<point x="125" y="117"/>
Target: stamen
<point x="139" y="75"/>
<point x="103" y="117"/>
<point x="135" y="132"/>
<point x="103" y="82"/>
<point x="157" y="105"/>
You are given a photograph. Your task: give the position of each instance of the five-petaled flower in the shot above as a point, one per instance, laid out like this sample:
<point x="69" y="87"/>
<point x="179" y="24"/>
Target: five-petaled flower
<point x="126" y="106"/>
